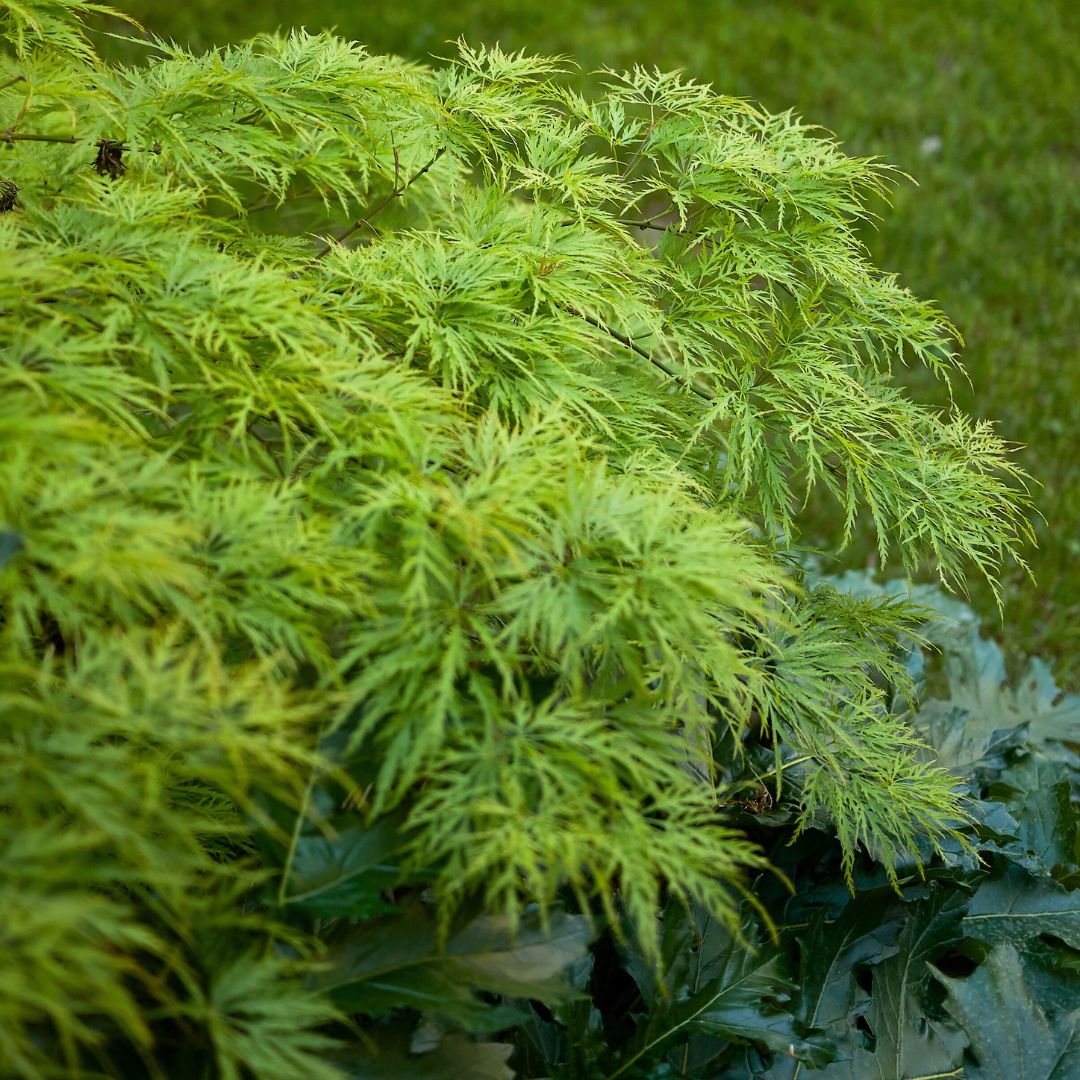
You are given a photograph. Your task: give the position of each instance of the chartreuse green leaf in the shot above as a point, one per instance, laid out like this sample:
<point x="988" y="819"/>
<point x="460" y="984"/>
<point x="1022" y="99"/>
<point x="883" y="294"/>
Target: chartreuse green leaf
<point x="976" y="712"/>
<point x="262" y="1020"/>
<point x="340" y="395"/>
<point x="1010" y="1036"/>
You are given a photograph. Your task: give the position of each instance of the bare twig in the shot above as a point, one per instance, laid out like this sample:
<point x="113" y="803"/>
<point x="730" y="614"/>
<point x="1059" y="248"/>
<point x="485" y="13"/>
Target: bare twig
<point x="639" y="153"/>
<point x="655" y="222"/>
<point x="650" y="224"/>
<point x="12" y="81"/>
<point x="397" y="168"/>
<point x="399" y="189"/>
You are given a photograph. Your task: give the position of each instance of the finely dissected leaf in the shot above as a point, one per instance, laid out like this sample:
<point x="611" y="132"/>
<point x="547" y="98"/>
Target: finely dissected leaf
<point x="398" y="962"/>
<point x="261" y="1019"/>
<point x="1010" y="1035"/>
<point x="1031" y="830"/>
<point x="340" y="399"/>
<point x="1015" y="906"/>
<point x="983" y="712"/>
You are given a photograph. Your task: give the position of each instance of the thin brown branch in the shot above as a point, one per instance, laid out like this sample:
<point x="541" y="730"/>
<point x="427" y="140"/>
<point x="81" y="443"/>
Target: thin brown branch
<point x="399" y="189"/>
<point x="11" y="136"/>
<point x="650" y="224"/>
<point x="634" y="347"/>
<point x="12" y="81"/>
<point x="653" y="222"/>
<point x="397" y="168"/>
<point x="639" y="153"/>
<point x="18" y="136"/>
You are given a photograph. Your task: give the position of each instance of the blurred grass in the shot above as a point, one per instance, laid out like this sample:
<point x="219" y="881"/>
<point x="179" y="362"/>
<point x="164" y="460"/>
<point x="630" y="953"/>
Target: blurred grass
<point x="978" y="99"/>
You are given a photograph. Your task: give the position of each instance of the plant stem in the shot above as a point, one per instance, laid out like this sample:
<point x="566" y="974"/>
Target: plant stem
<point x="396" y="193"/>
<point x="294" y="840"/>
<point x="268" y="202"/>
<point x="633" y="346"/>
<point x="652" y="224"/>
<point x="12" y="136"/>
<point x="797" y="761"/>
<point x="17" y="136"/>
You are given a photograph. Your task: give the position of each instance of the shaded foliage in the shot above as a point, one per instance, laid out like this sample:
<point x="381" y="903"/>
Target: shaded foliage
<point x="970" y="968"/>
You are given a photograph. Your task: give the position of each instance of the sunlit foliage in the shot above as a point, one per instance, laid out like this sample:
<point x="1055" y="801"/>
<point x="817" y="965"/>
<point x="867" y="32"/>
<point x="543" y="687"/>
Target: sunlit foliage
<point x="439" y="435"/>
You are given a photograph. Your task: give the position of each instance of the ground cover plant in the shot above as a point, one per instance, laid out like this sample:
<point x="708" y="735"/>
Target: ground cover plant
<point x="968" y="970"/>
<point x="976" y="100"/>
<point x="403" y="626"/>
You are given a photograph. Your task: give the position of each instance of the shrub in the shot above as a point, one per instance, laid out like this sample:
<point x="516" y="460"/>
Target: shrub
<point x="987" y="230"/>
<point x="387" y="609"/>
<point x="968" y="969"/>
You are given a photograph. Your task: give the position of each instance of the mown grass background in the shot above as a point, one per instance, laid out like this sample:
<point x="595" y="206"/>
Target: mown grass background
<point x="979" y="100"/>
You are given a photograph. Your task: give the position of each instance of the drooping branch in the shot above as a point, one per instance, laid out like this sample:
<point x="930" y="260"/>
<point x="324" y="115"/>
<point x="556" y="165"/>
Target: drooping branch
<point x="634" y="347"/>
<point x="399" y="189"/>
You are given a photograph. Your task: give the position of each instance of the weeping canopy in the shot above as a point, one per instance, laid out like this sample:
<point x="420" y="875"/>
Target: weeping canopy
<point x="459" y="422"/>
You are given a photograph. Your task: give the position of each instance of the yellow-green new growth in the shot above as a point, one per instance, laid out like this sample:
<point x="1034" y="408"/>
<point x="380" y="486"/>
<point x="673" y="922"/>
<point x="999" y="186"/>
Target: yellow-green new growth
<point x="461" y="420"/>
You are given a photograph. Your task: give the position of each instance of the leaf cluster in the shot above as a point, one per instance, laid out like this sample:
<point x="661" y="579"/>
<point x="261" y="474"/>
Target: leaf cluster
<point x="970" y="968"/>
<point x="436" y="567"/>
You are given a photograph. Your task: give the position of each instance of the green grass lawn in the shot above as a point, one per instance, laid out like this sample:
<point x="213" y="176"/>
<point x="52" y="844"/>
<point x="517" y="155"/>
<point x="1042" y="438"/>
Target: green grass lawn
<point x="979" y="100"/>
